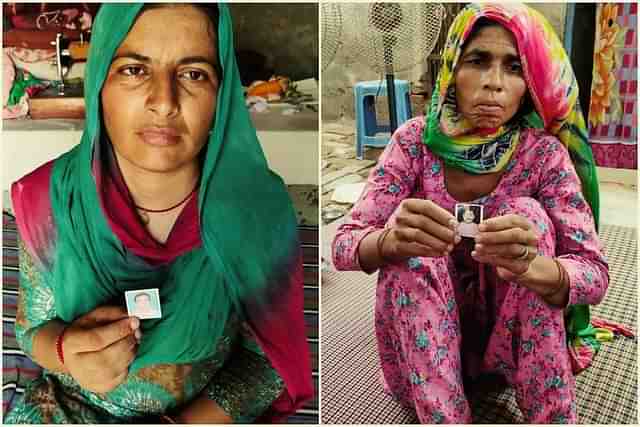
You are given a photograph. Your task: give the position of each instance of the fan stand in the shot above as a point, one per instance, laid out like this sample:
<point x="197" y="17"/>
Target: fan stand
<point x="386" y="17"/>
<point x="391" y="95"/>
<point x="391" y="86"/>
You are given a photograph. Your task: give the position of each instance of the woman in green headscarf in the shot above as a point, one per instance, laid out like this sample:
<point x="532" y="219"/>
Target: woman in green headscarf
<point x="167" y="190"/>
<point x="504" y="132"/>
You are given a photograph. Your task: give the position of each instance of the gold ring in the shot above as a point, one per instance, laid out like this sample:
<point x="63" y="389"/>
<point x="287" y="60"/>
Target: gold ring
<point x="525" y="254"/>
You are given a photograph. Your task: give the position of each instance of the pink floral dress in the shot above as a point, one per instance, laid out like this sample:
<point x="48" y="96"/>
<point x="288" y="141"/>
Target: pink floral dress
<point x="441" y="319"/>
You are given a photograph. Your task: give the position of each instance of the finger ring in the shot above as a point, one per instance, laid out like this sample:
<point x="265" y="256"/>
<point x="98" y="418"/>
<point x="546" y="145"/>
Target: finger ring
<point x="525" y="253"/>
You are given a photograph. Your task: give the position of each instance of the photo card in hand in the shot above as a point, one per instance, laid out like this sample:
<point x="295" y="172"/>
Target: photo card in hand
<point x="469" y="217"/>
<point x="144" y="303"/>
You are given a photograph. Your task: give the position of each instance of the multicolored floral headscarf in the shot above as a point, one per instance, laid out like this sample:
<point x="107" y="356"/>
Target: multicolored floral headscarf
<point x="551" y="85"/>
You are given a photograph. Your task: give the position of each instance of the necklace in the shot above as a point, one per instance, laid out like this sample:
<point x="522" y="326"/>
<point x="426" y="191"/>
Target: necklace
<point x="144" y="212"/>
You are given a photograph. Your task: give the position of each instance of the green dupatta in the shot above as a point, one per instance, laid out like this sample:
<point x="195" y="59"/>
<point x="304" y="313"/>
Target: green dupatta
<point x="248" y="225"/>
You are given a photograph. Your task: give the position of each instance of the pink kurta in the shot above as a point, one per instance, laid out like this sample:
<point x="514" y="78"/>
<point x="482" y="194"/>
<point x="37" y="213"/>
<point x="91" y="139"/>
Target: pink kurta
<point x="439" y="319"/>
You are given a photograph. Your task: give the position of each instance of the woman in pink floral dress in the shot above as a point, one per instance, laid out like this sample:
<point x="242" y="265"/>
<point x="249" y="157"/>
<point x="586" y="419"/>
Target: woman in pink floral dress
<point x="504" y="130"/>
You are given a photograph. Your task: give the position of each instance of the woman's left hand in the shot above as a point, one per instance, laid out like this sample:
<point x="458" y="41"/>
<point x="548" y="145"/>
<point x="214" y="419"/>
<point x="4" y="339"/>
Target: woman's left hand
<point x="507" y="242"/>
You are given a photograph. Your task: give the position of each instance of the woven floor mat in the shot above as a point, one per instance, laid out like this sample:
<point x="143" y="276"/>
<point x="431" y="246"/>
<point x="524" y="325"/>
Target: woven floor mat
<point x="352" y="393"/>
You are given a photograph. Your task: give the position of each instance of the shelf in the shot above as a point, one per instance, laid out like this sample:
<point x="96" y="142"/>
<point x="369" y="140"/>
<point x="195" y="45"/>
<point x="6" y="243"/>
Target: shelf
<point x="270" y="120"/>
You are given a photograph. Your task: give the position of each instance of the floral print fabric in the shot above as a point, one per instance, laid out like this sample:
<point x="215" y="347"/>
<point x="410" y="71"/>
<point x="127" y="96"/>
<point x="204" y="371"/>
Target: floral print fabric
<point x="56" y="398"/>
<point x="441" y="319"/>
<point x="613" y="115"/>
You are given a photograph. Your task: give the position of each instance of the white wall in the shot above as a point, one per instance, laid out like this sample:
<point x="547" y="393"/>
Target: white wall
<point x="293" y="154"/>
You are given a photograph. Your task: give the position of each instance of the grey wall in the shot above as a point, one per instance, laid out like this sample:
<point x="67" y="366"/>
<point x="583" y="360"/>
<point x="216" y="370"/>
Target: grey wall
<point x="555" y="13"/>
<point x="286" y="33"/>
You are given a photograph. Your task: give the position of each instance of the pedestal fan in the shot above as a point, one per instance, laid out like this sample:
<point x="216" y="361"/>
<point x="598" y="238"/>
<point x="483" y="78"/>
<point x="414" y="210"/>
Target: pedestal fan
<point x="388" y="37"/>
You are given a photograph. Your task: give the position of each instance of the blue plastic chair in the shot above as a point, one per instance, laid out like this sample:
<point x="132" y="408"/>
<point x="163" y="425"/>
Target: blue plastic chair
<point x="370" y="133"/>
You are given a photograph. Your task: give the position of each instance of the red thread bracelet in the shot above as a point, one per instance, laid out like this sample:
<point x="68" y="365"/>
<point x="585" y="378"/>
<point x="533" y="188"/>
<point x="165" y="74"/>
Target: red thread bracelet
<point x="59" y="351"/>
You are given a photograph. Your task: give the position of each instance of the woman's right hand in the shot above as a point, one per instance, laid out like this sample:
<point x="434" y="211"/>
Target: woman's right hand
<point x="99" y="346"/>
<point x="422" y="229"/>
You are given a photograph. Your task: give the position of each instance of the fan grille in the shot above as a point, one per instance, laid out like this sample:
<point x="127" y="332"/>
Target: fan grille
<point x="391" y="37"/>
<point x="331" y="19"/>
